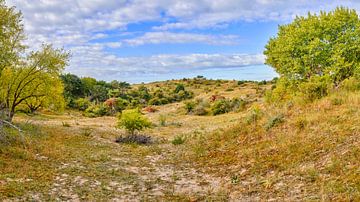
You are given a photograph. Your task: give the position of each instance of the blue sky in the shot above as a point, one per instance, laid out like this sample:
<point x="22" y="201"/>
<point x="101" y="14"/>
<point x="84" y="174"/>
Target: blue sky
<point x="147" y="40"/>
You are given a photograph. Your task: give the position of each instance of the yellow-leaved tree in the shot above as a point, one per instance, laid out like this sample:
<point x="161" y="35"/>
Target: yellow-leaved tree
<point x="31" y="79"/>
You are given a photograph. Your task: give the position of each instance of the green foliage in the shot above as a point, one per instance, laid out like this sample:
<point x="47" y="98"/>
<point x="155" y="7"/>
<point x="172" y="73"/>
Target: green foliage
<point x="11" y="36"/>
<point x="190" y="106"/>
<point x="178" y="140"/>
<point x="35" y="82"/>
<point x="96" y="111"/>
<point x="132" y="120"/>
<point x="82" y="104"/>
<point x="327" y="44"/>
<point x="274" y="121"/>
<point x="73" y="88"/>
<point x="315" y="88"/>
<point x="179" y="87"/>
<point x="221" y="107"/>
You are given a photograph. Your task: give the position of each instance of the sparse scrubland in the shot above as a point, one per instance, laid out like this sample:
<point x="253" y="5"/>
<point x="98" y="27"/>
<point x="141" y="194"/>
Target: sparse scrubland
<point x="295" y="138"/>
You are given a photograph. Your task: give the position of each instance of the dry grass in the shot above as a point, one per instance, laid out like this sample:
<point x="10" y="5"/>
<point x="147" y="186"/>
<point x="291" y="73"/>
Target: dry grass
<point x="311" y="154"/>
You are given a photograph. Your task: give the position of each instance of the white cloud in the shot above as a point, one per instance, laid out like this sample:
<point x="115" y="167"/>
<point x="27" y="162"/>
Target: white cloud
<point x="168" y="37"/>
<point x="75" y="24"/>
<point x="108" y="66"/>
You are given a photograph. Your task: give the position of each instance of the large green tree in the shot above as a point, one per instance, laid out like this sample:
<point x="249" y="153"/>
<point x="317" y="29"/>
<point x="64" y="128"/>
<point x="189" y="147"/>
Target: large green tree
<point x="26" y="79"/>
<point x="325" y="44"/>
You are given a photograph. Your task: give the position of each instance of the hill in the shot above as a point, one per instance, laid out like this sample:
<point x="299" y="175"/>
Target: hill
<point x="261" y="151"/>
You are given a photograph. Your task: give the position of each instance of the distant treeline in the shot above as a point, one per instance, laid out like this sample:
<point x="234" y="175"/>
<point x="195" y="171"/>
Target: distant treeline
<point x="98" y="98"/>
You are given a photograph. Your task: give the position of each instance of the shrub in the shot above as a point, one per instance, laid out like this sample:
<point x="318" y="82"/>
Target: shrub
<point x="283" y="91"/>
<point x="121" y="104"/>
<point x="179" y="87"/>
<point x="178" y="140"/>
<point x="315" y="88"/>
<point x="202" y="107"/>
<point x="96" y="111"/>
<point x="254" y="115"/>
<point x="82" y="104"/>
<point x="221" y="107"/>
<point x="132" y="120"/>
<point x="154" y="101"/>
<point x="134" y="139"/>
<point x="237" y="104"/>
<point x="273" y="121"/>
<point x="189" y="106"/>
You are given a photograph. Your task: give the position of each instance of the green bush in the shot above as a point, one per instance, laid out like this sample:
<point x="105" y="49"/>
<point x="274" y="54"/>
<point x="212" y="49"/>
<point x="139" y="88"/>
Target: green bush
<point x="121" y="104"/>
<point x="221" y="107"/>
<point x="179" y="87"/>
<point x="237" y="104"/>
<point x="154" y="101"/>
<point x="132" y="120"/>
<point x="189" y="106"/>
<point x="178" y="140"/>
<point x="273" y="121"/>
<point x="283" y="91"/>
<point x="82" y="104"/>
<point x="96" y="111"/>
<point x="315" y="88"/>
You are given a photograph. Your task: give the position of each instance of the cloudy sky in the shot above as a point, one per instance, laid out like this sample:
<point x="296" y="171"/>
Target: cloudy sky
<point x="147" y="40"/>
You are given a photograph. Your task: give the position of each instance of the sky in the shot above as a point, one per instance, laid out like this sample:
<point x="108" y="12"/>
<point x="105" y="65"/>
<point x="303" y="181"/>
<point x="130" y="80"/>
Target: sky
<point x="149" y="40"/>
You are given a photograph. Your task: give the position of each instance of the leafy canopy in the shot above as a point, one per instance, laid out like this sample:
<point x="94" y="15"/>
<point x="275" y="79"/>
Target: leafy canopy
<point x="26" y="78"/>
<point x="132" y="120"/>
<point x="325" y="44"/>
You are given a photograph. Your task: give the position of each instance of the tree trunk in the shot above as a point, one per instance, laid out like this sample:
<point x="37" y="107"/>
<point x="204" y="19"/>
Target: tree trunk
<point x="7" y="114"/>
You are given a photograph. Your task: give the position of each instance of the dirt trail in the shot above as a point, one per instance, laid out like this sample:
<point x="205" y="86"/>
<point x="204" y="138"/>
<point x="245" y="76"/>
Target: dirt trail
<point x="124" y="172"/>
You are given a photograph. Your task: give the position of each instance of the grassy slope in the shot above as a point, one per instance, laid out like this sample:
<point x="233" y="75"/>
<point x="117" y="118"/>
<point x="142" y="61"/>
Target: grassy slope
<point x="313" y="154"/>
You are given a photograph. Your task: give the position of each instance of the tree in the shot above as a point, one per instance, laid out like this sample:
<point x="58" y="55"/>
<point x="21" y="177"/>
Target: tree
<point x="327" y="44"/>
<point x="26" y="79"/>
<point x="132" y="120"/>
<point x="88" y="84"/>
<point x="73" y="87"/>
<point x="11" y="36"/>
<point x="34" y="80"/>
